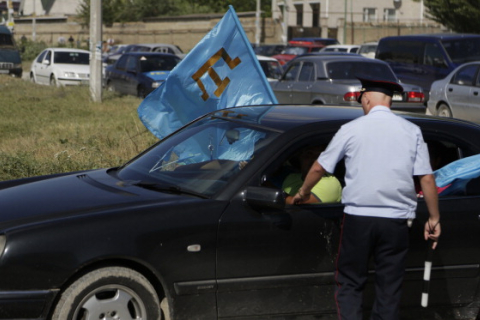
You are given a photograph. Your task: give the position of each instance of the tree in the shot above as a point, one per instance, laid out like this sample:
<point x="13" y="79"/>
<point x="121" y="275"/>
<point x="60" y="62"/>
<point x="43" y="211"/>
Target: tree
<point x="137" y="10"/>
<point x="457" y="15"/>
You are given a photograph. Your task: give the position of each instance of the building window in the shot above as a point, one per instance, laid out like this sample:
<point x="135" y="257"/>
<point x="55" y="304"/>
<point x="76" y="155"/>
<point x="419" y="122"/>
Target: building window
<point x="390" y="15"/>
<point x="299" y="8"/>
<point x="315" y="14"/>
<point x="369" y="14"/>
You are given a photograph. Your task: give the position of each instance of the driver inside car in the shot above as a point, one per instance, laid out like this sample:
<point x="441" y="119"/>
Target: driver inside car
<point x="327" y="190"/>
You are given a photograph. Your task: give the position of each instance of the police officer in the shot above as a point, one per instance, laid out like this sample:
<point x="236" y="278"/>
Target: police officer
<point x="382" y="153"/>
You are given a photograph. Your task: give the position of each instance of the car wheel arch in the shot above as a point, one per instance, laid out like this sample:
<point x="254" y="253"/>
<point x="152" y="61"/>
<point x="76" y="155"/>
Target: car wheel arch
<point x="148" y="272"/>
<point x="443" y="104"/>
<point x="83" y="290"/>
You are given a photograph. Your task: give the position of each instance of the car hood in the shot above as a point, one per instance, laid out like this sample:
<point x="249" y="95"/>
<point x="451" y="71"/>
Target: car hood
<point x="75" y="194"/>
<point x="157" y="75"/>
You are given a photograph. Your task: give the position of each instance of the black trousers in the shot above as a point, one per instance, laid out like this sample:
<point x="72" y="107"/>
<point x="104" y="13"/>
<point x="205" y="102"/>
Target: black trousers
<point x="361" y="238"/>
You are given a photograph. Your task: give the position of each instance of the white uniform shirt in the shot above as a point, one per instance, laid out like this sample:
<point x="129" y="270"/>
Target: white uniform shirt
<point x="382" y="154"/>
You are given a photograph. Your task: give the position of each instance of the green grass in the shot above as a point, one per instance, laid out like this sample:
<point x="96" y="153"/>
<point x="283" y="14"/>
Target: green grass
<point x="46" y="130"/>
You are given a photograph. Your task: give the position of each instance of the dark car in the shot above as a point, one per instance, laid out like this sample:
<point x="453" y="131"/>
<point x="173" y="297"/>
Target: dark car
<point x="331" y="78"/>
<point x="10" y="60"/>
<point x="199" y="221"/>
<point x="139" y="73"/>
<point x="424" y="58"/>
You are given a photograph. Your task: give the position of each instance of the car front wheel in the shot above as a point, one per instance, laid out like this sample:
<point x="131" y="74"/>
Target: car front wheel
<point x="444" y="111"/>
<point x="109" y="293"/>
<point x="53" y="81"/>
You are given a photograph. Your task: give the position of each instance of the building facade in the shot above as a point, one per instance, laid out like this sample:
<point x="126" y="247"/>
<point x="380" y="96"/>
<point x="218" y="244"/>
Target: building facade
<point x="342" y="19"/>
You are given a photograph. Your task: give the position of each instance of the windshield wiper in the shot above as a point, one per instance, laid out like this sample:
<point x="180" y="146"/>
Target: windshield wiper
<point x="170" y="189"/>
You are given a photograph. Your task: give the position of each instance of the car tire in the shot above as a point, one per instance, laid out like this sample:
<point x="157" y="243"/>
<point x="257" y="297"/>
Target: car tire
<point x="141" y="92"/>
<point x="53" y="81"/>
<point x="109" y="293"/>
<point x="444" y="111"/>
<point x="110" y="86"/>
<point x="32" y="77"/>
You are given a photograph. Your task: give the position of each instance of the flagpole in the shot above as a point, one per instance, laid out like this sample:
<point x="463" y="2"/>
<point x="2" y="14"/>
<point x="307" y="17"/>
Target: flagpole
<point x="257" y="24"/>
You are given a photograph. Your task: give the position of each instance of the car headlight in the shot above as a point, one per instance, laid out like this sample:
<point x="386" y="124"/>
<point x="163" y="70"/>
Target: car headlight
<point x="70" y="74"/>
<point x="156" y="84"/>
<point x="3" y="241"/>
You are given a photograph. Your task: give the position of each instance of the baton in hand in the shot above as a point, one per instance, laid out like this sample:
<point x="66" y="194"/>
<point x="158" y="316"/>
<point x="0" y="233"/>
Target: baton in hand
<point x="427" y="274"/>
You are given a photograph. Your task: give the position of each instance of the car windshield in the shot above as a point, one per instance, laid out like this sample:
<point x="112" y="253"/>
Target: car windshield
<point x="272" y="69"/>
<point x="158" y="63"/>
<point x="71" y="57"/>
<point x="200" y="158"/>
<point x="351" y="69"/>
<point x="295" y="50"/>
<point x="463" y="50"/>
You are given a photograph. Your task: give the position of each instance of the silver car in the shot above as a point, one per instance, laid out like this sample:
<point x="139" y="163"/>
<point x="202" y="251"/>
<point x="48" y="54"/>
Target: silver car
<point x="332" y="79"/>
<point x="458" y="94"/>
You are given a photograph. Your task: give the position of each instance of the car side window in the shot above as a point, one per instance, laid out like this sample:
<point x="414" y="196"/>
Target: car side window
<point x="132" y="63"/>
<point x="41" y="56"/>
<point x="465" y="76"/>
<point x="456" y="169"/>
<point x="292" y="72"/>
<point x="285" y="171"/>
<point x="433" y="56"/>
<point x="307" y="73"/>
<point x="122" y="63"/>
<point x="48" y="56"/>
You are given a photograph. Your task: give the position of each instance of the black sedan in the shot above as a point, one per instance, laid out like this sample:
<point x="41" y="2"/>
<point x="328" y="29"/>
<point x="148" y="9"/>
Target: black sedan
<point x="199" y="222"/>
<point x="139" y="73"/>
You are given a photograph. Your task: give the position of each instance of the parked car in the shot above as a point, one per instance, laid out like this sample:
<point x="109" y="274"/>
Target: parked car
<point x="458" y="94"/>
<point x="269" y="49"/>
<point x="139" y="73"/>
<point x="10" y="60"/>
<point x="297" y="48"/>
<point x="368" y="49"/>
<point x="423" y="59"/>
<point x="322" y="41"/>
<point x="271" y="67"/>
<point x="61" y="67"/>
<point x="183" y="223"/>
<point x="331" y="78"/>
<point x="145" y="47"/>
<point x="351" y="48"/>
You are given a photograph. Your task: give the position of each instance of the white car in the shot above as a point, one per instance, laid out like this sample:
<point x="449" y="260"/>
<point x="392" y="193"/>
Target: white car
<point x="351" y="48"/>
<point x="458" y="94"/>
<point x="271" y="67"/>
<point x="368" y="49"/>
<point x="61" y="67"/>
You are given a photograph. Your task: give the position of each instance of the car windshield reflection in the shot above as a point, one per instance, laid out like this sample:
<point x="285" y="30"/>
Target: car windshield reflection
<point x="201" y="158"/>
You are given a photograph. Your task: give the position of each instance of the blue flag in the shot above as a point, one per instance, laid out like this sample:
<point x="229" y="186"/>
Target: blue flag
<point x="221" y="71"/>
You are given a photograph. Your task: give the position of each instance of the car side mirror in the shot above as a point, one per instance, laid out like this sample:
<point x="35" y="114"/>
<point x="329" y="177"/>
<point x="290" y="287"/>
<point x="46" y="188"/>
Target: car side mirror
<point x="267" y="200"/>
<point x="46" y="62"/>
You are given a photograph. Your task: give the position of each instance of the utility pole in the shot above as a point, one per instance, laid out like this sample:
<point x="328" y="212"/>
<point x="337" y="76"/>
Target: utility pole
<point x="257" y="24"/>
<point x="96" y="50"/>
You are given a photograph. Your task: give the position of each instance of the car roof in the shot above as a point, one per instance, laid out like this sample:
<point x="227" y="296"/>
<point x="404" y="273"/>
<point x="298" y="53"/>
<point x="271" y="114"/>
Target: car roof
<point x="141" y="53"/>
<point x="63" y="49"/>
<point x="443" y="36"/>
<point x="265" y="58"/>
<point x="333" y="56"/>
<point x="287" y="117"/>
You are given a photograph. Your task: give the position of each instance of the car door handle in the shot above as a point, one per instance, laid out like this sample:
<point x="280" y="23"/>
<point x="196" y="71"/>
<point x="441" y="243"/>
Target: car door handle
<point x="450" y="89"/>
<point x="475" y="93"/>
<point x="309" y="87"/>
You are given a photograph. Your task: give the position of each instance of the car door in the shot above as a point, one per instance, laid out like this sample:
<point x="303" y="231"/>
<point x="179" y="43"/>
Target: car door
<point x="42" y="67"/>
<point x="130" y="81"/>
<point x="283" y="87"/>
<point x="277" y="261"/>
<point x="460" y="92"/>
<point x="117" y="74"/>
<point x="456" y="261"/>
<point x="302" y="88"/>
